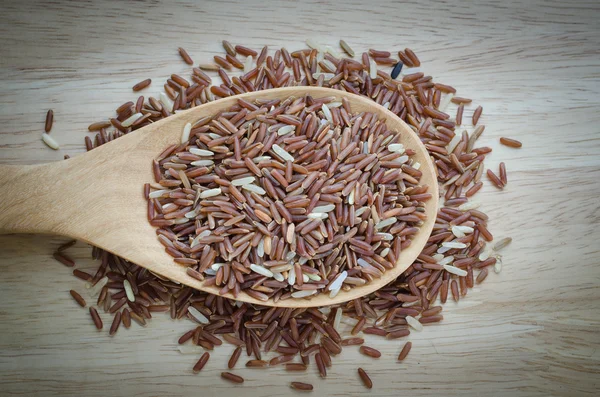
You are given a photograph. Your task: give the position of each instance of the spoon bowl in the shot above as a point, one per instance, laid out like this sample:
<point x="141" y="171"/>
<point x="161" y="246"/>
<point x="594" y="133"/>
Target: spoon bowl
<point x="97" y="197"/>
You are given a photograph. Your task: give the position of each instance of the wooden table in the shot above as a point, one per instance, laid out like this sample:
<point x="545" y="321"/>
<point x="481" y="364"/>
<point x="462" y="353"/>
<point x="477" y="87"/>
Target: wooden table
<point x="530" y="330"/>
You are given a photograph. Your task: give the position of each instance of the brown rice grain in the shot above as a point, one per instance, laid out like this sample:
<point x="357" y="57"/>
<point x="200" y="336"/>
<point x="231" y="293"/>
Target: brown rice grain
<point x="234" y="357"/>
<point x="256" y="364"/>
<point x="126" y="318"/>
<point x="365" y="378"/>
<point x="502" y="172"/>
<point x="229" y="48"/>
<point x="141" y="85"/>
<point x="477" y="114"/>
<point x="77" y="298"/>
<point x="295" y="367"/>
<point x="369" y="351"/>
<point x="301" y="386"/>
<point x="510" y="142"/>
<point x="201" y="362"/>
<point x="405" y="350"/>
<point x="185" y="56"/>
<point x="49" y="121"/>
<point x="66" y="245"/>
<point x="115" y="324"/>
<point x="495" y="179"/>
<point x="96" y="318"/>
<point x="64" y="259"/>
<point x="232" y="377"/>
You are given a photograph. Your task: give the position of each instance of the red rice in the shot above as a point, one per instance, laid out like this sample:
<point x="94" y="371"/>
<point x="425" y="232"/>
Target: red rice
<point x="301" y="386"/>
<point x="141" y="85"/>
<point x="232" y="377"/>
<point x="365" y="378"/>
<point x="185" y="56"/>
<point x="49" y="121"/>
<point x="405" y="351"/>
<point x="413" y="293"/>
<point x="510" y="142"/>
<point x="77" y="298"/>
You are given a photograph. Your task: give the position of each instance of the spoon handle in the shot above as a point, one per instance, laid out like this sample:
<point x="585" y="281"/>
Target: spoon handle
<point x="31" y="199"/>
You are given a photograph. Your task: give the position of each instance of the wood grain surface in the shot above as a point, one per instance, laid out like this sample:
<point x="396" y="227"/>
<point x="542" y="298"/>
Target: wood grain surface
<point x="533" y="66"/>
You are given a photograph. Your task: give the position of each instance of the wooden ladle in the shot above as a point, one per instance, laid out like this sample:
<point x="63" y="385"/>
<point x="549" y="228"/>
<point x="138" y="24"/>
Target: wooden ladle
<point x="97" y="197"/>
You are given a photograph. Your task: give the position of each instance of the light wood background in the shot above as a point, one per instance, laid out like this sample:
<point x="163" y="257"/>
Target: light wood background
<point x="535" y="68"/>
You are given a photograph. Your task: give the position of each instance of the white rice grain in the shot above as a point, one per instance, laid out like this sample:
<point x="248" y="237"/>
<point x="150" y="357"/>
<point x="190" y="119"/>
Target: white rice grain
<point x="337" y="283"/>
<point x="243" y="181"/>
<point x="278" y="276"/>
<point x="166" y="101"/>
<point x="290" y="255"/>
<point x="360" y="211"/>
<point x="291" y="277"/>
<point x="372" y="69"/>
<point x="199" y="237"/>
<point x="470" y="205"/>
<point x="201" y="152"/>
<point x="253" y="188"/>
<point x="443" y="250"/>
<point x="313" y="277"/>
<point x="210" y="193"/>
<point x="324" y="208"/>
<point x="198" y="316"/>
<point x="455" y="270"/>
<point x="261" y="270"/>
<point x="128" y="291"/>
<point x="50" y="142"/>
<point x="498" y="264"/>
<point x="202" y="163"/>
<point x="131" y="119"/>
<point x="396" y="147"/>
<point x="454" y="244"/>
<point x="327" y="113"/>
<point x="445" y="102"/>
<point x="304" y="293"/>
<point x="446" y="260"/>
<point x="414" y="323"/>
<point x="385" y="223"/>
<point x="385" y="236"/>
<point x="158" y="193"/>
<point x="248" y="64"/>
<point x="286" y="130"/>
<point x="485" y="253"/>
<point x="282" y="153"/>
<point x="260" y="248"/>
<point x="94" y="290"/>
<point x="457" y="232"/>
<point x="258" y="159"/>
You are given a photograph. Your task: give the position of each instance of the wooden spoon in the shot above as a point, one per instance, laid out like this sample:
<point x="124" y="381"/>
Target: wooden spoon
<point x="98" y="197"/>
